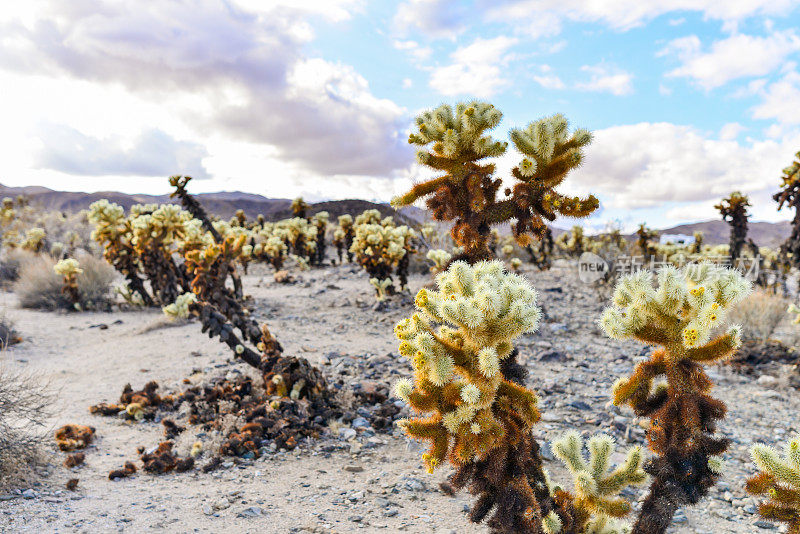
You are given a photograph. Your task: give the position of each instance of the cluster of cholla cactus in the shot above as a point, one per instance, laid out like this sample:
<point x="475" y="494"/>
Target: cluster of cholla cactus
<point x="789" y="196"/>
<point x="573" y="243"/>
<point x="457" y="144"/>
<point x="383" y="250"/>
<point x="734" y="211"/>
<point x="272" y="249"/>
<point x="476" y="413"/>
<point x="69" y="269"/>
<point x="343" y="238"/>
<point x="778" y="480"/>
<point x="680" y="317"/>
<point x="113" y="231"/>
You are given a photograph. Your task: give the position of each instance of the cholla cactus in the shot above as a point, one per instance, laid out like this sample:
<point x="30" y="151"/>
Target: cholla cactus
<point x="180" y="309"/>
<point x="457" y="370"/>
<point x="7" y="213"/>
<point x="596" y="496"/>
<point x="467" y="192"/>
<point x="299" y="207"/>
<point x="381" y="288"/>
<point x="343" y="237"/>
<point x="459" y="342"/>
<point x="34" y="240"/>
<point x="789" y="196"/>
<point x="69" y="269"/>
<point x="779" y="481"/>
<point x="697" y="246"/>
<point x="320" y="222"/>
<point x="440" y="258"/>
<point x="515" y="263"/>
<point x="644" y="236"/>
<point x="680" y="316"/>
<point x="793" y="309"/>
<point x="734" y="210"/>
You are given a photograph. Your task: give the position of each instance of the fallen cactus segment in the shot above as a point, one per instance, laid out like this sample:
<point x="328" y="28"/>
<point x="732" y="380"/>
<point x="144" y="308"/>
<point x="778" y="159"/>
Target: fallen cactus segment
<point x="72" y="437"/>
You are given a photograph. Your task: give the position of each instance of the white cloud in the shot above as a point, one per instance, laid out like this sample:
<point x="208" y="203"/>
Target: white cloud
<point x="607" y="79"/>
<point x="780" y="100"/>
<point x="545" y="17"/>
<point x="737" y="56"/>
<point x="417" y="52"/>
<point x="547" y="78"/>
<point x="476" y="69"/>
<point x="152" y="153"/>
<point x="731" y="131"/>
<point x="649" y="164"/>
<point x="433" y="18"/>
<point x="231" y="71"/>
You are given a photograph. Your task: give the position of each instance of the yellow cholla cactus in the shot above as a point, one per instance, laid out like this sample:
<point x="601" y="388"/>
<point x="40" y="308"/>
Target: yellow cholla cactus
<point x="515" y="263"/>
<point x="796" y="311"/>
<point x="456" y="341"/>
<point x="779" y="480"/>
<point x="597" y="488"/>
<point x="34" y="240"/>
<point x="68" y="267"/>
<point x="180" y="308"/>
<point x="440" y="259"/>
<point x="381" y="287"/>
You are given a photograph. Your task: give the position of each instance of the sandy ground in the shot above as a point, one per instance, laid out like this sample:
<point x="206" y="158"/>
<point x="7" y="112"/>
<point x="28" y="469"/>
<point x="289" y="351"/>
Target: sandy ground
<point x="369" y="483"/>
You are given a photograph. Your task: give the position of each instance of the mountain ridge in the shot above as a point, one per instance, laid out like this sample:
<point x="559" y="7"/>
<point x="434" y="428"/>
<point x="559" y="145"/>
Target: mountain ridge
<point x="225" y="203"/>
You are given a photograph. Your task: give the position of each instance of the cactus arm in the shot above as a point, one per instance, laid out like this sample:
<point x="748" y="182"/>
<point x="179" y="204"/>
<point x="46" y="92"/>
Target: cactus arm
<point x="715" y="350"/>
<point x="418" y="191"/>
<point x="652" y="335"/>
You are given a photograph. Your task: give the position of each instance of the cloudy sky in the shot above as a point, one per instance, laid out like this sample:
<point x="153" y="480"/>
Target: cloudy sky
<point x="688" y="99"/>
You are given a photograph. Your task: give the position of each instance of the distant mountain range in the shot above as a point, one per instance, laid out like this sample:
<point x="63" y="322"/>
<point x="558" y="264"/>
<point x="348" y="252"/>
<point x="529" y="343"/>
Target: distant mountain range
<point x="225" y="204"/>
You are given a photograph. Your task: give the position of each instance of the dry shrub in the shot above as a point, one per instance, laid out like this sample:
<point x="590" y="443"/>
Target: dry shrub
<point x="11" y="262"/>
<point x="8" y="334"/>
<point x="24" y="407"/>
<point x="40" y="287"/>
<point x="759" y="314"/>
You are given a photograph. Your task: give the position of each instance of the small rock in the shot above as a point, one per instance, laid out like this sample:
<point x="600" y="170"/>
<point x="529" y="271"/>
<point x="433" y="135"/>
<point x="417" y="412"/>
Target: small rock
<point x="28" y="494"/>
<point x="347" y="434"/>
<point x="767" y="381"/>
<point x="353" y="468"/>
<point x="253" y="511"/>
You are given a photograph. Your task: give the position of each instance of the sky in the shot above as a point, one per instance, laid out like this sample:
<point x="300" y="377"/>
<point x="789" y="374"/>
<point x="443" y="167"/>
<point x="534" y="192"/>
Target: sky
<point x="688" y="99"/>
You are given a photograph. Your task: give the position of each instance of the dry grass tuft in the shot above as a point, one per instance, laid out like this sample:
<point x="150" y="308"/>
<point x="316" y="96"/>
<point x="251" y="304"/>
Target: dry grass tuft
<point x="40" y="287"/>
<point x="24" y="406"/>
<point x="759" y="314"/>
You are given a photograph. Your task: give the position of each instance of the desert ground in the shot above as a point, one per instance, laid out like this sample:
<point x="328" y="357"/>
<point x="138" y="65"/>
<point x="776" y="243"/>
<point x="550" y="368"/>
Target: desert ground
<point x="351" y="478"/>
